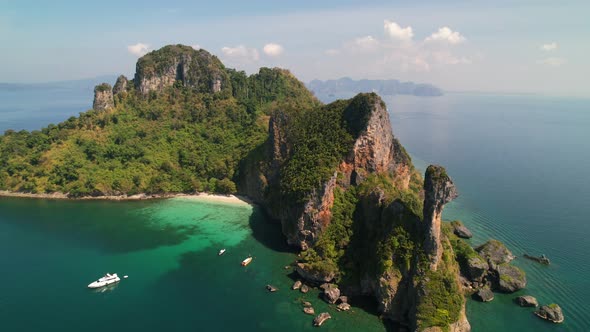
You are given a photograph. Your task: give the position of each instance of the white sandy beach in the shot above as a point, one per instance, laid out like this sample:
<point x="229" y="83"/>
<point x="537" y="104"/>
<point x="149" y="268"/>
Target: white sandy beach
<point x="233" y="199"/>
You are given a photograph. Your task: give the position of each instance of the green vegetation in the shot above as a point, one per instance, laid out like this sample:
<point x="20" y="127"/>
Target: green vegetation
<point x="327" y="254"/>
<point x="103" y="87"/>
<point x="442" y="302"/>
<point x="181" y="139"/>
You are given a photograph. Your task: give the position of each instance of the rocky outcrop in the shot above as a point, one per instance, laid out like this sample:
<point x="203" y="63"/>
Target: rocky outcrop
<point x="527" y="301"/>
<point x="196" y="69"/>
<point x="343" y="307"/>
<point x="296" y="285"/>
<point x="313" y="276"/>
<point x="309" y="310"/>
<point x="477" y="269"/>
<point x="484" y="295"/>
<point x="438" y="191"/>
<point x="120" y="85"/>
<point x="103" y="97"/>
<point x="495" y="252"/>
<point x="509" y="278"/>
<point x="551" y="312"/>
<point x="331" y="293"/>
<point x="460" y="230"/>
<point x="321" y="318"/>
<point x="375" y="150"/>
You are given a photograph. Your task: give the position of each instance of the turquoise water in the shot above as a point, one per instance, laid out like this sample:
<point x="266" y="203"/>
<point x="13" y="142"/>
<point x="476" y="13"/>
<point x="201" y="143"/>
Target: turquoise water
<point x="520" y="164"/>
<point x="52" y="249"/>
<point x="521" y="167"/>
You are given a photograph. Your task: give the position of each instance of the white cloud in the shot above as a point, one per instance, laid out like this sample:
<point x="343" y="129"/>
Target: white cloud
<point x="553" y="62"/>
<point x="395" y="31"/>
<point x="241" y="52"/>
<point x="549" y="47"/>
<point x="445" y="34"/>
<point x="367" y="43"/>
<point x="139" y="49"/>
<point x="196" y="47"/>
<point x="272" y="49"/>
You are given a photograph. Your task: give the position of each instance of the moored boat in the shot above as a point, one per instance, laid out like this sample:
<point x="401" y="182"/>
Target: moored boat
<point x="221" y="252"/>
<point x="247" y="261"/>
<point x="108" y="279"/>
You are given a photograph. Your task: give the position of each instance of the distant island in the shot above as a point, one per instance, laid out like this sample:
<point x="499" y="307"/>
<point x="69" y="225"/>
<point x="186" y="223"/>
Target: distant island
<point x="343" y="189"/>
<point x="347" y="87"/>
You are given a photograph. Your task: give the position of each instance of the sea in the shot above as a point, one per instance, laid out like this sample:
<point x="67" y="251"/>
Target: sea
<point x="520" y="163"/>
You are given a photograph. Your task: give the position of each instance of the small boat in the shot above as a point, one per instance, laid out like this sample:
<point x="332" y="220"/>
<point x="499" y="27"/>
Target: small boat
<point x="271" y="288"/>
<point x="247" y="261"/>
<point x="221" y="252"/>
<point x="108" y="279"/>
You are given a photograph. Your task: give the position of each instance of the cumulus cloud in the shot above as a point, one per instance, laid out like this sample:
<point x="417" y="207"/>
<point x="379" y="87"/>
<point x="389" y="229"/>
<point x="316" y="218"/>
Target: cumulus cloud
<point x="553" y="62"/>
<point x="445" y="34"/>
<point x="241" y="52"/>
<point x="139" y="49"/>
<point x="272" y="49"/>
<point x="549" y="47"/>
<point x="395" y="31"/>
<point x="196" y="47"/>
<point x="367" y="43"/>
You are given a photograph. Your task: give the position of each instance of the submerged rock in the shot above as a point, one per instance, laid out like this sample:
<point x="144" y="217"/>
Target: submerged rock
<point x="307" y="304"/>
<point x="551" y="312"/>
<point x="484" y="295"/>
<point x="527" y="301"/>
<point x="304" y="289"/>
<point x="460" y="230"/>
<point x="309" y="310"/>
<point x="541" y="259"/>
<point x="321" y="318"/>
<point x="343" y="306"/>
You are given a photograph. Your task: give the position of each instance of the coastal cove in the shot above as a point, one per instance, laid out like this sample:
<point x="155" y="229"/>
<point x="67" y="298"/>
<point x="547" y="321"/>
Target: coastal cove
<point x="169" y="250"/>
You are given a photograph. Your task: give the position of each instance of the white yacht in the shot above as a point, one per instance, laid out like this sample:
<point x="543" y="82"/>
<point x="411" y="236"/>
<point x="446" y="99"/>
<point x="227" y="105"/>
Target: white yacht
<point x="221" y="252"/>
<point x="108" y="279"/>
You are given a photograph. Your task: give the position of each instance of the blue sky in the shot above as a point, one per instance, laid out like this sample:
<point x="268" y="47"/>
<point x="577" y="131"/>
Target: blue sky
<point x="504" y="46"/>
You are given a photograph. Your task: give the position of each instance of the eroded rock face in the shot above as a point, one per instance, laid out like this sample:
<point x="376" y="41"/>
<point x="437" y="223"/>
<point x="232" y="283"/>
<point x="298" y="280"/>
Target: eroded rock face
<point x="120" y="85"/>
<point x="197" y="69"/>
<point x="103" y="97"/>
<point x="551" y="313"/>
<point x="438" y="191"/>
<point x="313" y="276"/>
<point x="527" y="301"/>
<point x="321" y="318"/>
<point x="376" y="150"/>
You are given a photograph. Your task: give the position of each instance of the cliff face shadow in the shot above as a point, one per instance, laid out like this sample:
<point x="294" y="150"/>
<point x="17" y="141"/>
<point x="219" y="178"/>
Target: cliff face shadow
<point x="268" y="232"/>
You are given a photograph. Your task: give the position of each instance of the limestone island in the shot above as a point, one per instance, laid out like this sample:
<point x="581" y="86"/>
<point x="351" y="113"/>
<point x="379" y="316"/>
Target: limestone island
<point x="333" y="176"/>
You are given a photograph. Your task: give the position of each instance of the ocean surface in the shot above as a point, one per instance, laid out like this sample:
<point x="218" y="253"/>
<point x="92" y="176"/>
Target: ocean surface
<point x="520" y="164"/>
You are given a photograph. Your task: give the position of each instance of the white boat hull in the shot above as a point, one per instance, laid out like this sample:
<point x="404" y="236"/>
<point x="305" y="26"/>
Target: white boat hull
<point x="102" y="282"/>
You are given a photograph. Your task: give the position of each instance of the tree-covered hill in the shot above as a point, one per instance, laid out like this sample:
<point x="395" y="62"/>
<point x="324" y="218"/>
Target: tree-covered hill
<point x="179" y="137"/>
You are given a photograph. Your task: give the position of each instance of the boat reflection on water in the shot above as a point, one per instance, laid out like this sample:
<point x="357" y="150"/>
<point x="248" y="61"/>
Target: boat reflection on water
<point x="105" y="289"/>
